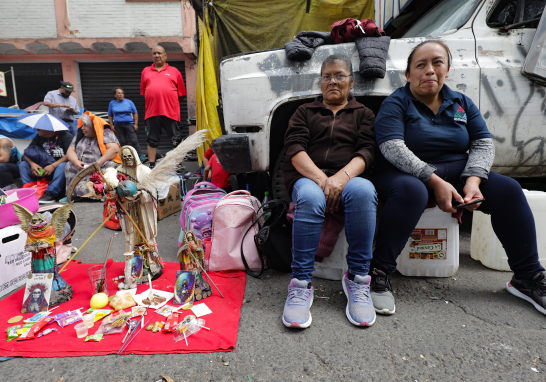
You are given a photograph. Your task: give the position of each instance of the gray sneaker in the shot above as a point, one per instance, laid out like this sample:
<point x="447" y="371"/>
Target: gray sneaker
<point x="297" y="309"/>
<point x="382" y="297"/>
<point x="359" y="311"/>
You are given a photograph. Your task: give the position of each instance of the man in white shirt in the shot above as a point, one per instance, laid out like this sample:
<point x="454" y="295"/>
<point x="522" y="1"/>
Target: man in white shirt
<point x="62" y="105"/>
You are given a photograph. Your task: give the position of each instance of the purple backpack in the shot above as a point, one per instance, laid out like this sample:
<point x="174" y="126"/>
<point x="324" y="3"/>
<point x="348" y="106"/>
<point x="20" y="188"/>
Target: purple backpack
<point x="198" y="208"/>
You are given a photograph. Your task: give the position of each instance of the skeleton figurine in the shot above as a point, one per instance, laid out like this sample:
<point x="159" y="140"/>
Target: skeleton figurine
<point x="41" y="234"/>
<point x="142" y="210"/>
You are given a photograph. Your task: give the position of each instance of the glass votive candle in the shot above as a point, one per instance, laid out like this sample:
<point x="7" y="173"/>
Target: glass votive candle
<point x="81" y="329"/>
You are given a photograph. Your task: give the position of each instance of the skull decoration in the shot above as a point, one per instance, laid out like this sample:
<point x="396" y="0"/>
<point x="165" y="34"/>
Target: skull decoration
<point x="128" y="157"/>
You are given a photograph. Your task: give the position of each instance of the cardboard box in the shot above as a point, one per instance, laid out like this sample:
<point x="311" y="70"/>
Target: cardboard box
<point x="171" y="204"/>
<point x="14" y="261"/>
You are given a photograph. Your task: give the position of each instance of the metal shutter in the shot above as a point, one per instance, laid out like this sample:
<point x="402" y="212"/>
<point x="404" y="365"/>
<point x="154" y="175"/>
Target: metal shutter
<point x="98" y="80"/>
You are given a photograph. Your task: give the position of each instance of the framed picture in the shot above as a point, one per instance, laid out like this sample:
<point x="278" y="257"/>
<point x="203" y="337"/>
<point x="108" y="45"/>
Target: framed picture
<point x="137" y="267"/>
<point x="37" y="292"/>
<point x="184" y="288"/>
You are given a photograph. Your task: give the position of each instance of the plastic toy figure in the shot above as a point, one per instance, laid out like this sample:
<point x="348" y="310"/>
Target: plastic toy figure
<point x="41" y="234"/>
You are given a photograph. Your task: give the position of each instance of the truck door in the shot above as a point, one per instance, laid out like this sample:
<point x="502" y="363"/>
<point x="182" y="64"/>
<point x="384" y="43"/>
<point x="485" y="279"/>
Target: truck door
<point x="512" y="105"/>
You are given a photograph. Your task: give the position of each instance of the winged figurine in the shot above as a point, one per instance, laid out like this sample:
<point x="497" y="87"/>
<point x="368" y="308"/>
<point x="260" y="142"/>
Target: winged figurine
<point x="41" y="235"/>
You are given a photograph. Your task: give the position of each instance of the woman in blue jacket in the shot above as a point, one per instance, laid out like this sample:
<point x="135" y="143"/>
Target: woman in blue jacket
<point x="435" y="143"/>
<point x="123" y="118"/>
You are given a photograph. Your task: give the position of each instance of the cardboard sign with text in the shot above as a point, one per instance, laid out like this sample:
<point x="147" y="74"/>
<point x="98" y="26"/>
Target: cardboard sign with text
<point x="171" y="204"/>
<point x="14" y="261"/>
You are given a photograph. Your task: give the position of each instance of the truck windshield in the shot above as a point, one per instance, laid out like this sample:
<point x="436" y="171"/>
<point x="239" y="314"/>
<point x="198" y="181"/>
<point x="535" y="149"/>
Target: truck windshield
<point x="448" y="15"/>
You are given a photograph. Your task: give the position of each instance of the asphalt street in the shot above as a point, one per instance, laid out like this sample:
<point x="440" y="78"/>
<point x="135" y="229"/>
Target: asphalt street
<point x="462" y="328"/>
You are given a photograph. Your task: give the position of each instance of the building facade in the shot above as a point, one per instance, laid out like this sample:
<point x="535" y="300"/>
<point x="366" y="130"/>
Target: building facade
<point x="95" y="45"/>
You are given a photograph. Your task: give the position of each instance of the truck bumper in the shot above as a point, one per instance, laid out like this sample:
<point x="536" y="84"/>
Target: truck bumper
<point x="233" y="152"/>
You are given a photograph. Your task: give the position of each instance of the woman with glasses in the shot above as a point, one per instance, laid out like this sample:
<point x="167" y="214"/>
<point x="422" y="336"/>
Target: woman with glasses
<point x="329" y="144"/>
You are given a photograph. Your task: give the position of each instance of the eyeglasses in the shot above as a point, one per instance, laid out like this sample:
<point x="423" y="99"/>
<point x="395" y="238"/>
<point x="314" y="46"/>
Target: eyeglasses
<point x="337" y="77"/>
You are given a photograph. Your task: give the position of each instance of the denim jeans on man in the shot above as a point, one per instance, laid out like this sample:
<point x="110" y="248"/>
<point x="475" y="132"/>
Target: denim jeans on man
<point x="358" y="201"/>
<point x="57" y="180"/>
<point x="73" y="127"/>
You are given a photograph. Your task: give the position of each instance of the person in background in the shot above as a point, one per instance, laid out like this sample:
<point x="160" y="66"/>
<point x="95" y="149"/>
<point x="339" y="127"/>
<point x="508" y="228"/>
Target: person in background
<point x="95" y="142"/>
<point x="9" y="157"/>
<point x="123" y="118"/>
<point x="162" y="86"/>
<point x="62" y="105"/>
<point x="55" y="144"/>
<point x="215" y="173"/>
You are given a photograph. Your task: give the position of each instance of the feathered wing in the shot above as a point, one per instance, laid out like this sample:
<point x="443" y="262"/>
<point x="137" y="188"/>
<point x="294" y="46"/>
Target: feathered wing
<point x="60" y="217"/>
<point x="162" y="172"/>
<point x="24" y="215"/>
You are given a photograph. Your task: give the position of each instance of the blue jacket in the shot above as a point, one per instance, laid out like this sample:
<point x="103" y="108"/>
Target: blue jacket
<point x="38" y="155"/>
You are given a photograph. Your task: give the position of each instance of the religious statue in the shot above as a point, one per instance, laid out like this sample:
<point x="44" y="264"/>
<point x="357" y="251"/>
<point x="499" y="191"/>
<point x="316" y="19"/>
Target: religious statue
<point x="192" y="258"/>
<point x="41" y="234"/>
<point x="140" y="205"/>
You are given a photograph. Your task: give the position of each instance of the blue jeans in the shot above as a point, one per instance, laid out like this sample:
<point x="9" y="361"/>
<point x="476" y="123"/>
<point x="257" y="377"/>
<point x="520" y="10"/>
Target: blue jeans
<point x="358" y="201"/>
<point x="405" y="198"/>
<point x="57" y="180"/>
<point x="73" y="127"/>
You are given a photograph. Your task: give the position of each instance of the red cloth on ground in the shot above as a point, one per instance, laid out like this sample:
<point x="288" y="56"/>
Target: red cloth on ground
<point x="219" y="176"/>
<point x="161" y="90"/>
<point x="223" y="321"/>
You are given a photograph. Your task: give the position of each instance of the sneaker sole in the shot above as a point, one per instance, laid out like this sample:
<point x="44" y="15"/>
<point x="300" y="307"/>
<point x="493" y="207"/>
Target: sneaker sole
<point x="385" y="311"/>
<point x="517" y="293"/>
<point x="46" y="201"/>
<point x="363" y="323"/>
<point x="297" y="325"/>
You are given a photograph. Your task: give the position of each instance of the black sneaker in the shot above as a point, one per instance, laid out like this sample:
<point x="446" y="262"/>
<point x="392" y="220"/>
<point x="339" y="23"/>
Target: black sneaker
<point x="533" y="290"/>
<point x="151" y="165"/>
<point x="47" y="197"/>
<point x="381" y="292"/>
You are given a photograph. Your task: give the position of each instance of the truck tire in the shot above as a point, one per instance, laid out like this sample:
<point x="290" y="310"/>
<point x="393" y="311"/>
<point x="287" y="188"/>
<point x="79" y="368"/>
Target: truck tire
<point x="279" y="191"/>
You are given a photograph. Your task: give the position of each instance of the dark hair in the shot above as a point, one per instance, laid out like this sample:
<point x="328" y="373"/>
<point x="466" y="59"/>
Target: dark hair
<point x="338" y="57"/>
<point x="114" y="90"/>
<point x="443" y="45"/>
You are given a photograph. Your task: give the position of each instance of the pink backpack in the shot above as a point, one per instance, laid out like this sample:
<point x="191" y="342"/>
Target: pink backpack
<point x="233" y="216"/>
<point x="197" y="210"/>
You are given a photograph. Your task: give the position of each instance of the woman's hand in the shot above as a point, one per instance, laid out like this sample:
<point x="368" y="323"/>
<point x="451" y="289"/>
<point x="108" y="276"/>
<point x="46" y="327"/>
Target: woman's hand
<point x="472" y="192"/>
<point x="444" y="193"/>
<point x="48" y="170"/>
<point x="332" y="188"/>
<point x="79" y="164"/>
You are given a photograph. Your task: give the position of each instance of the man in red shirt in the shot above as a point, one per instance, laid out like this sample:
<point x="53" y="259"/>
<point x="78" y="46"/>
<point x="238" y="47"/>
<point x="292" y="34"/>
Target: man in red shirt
<point x="162" y="86"/>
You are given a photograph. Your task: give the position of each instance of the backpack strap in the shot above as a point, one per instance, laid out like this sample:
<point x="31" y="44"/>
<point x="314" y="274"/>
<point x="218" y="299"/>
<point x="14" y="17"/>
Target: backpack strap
<point x="274" y="204"/>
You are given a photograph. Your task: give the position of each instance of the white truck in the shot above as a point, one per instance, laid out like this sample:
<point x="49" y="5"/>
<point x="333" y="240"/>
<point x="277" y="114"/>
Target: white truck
<point x="261" y="90"/>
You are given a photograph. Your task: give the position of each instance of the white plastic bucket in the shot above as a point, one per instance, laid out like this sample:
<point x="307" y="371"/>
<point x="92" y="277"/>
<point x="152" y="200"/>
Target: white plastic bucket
<point x="334" y="266"/>
<point x="433" y="248"/>
<point x="484" y="245"/>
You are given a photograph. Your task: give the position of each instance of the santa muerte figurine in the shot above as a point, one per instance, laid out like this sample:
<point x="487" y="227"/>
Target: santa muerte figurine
<point x="41" y="234"/>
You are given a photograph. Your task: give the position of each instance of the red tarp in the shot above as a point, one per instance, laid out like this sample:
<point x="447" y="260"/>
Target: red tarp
<point x="223" y="322"/>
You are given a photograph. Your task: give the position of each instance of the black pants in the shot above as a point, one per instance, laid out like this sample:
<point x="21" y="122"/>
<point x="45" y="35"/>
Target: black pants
<point x="126" y="134"/>
<point x="8" y="173"/>
<point x="154" y="126"/>
<point x="405" y="198"/>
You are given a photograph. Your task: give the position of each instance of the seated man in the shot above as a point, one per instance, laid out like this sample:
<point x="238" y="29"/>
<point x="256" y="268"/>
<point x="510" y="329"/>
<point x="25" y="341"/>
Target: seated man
<point x="9" y="157"/>
<point x="55" y="144"/>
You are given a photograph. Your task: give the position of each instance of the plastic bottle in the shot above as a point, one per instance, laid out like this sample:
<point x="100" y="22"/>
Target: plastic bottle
<point x="267" y="212"/>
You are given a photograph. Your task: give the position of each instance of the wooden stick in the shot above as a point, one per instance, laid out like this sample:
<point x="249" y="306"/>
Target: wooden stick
<point x="83" y="245"/>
